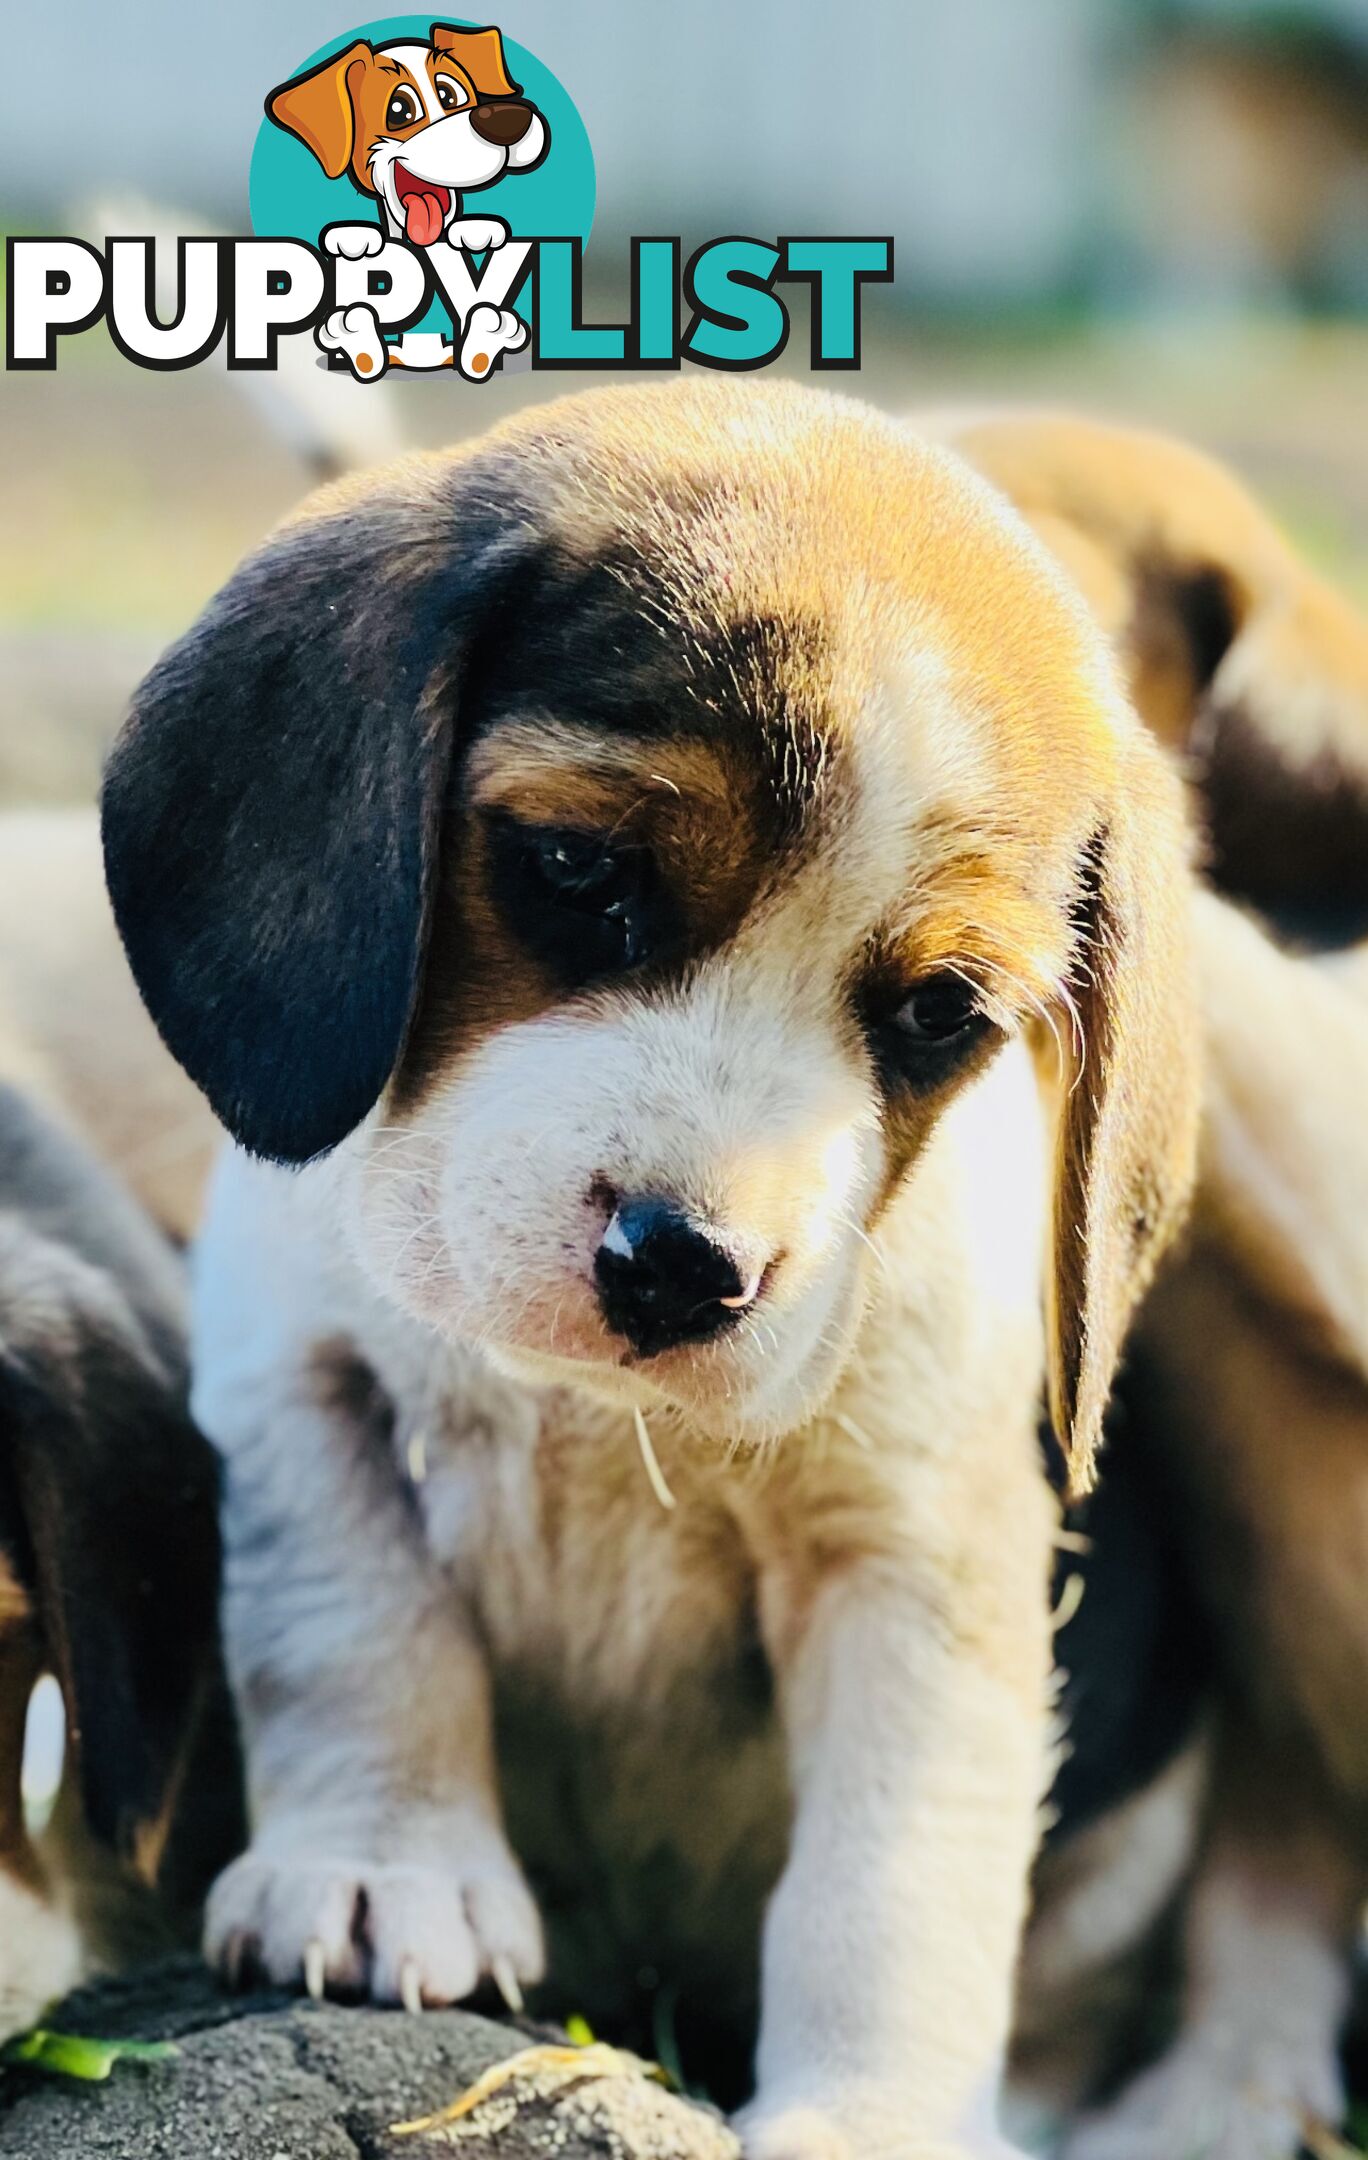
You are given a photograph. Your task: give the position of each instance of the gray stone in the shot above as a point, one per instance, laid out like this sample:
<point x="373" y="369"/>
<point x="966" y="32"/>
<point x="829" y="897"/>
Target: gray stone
<point x="265" y="2076"/>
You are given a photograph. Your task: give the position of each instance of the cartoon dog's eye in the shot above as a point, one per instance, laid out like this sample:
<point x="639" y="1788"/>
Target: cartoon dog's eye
<point x="402" y="109"/>
<point x="450" y="96"/>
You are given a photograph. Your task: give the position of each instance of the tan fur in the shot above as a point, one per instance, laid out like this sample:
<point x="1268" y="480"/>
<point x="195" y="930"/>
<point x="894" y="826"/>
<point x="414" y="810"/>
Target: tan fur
<point x="1116" y="503"/>
<point x="1237" y="653"/>
<point x="1095" y="1948"/>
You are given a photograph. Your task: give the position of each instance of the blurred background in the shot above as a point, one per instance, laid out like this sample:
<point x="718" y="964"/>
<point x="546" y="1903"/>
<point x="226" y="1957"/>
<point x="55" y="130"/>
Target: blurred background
<point x="1156" y="209"/>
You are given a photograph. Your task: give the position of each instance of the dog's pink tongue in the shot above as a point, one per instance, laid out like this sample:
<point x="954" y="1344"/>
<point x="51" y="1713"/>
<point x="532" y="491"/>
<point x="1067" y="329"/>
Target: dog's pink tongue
<point x="423" y="219"/>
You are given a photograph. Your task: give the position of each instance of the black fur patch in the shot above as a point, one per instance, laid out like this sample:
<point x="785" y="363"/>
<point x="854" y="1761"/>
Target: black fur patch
<point x="1136" y="1655"/>
<point x="603" y="645"/>
<point x="1294" y="843"/>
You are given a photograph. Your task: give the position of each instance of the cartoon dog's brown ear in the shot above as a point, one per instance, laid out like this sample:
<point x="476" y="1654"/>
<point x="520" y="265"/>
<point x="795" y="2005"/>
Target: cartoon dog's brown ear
<point x="1127" y="1133"/>
<point x="1238" y="655"/>
<point x="480" y="53"/>
<point x="319" y="109"/>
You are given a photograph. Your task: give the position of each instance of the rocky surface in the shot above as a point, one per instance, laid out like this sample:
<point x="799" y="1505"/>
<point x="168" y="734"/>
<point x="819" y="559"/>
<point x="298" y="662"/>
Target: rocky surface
<point x="265" y="2076"/>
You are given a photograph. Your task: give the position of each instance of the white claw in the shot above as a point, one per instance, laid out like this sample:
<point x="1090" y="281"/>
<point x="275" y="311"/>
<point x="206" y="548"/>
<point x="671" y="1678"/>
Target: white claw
<point x="506" y="1981"/>
<point x="411" y="1987"/>
<point x="315" y="1968"/>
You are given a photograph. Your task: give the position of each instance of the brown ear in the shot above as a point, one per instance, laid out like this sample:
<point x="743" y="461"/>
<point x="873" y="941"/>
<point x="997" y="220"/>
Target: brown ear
<point x="480" y="53"/>
<point x="1127" y="1134"/>
<point x="318" y="108"/>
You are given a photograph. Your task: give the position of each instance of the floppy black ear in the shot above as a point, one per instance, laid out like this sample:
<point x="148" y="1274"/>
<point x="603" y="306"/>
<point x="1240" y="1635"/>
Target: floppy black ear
<point x="271" y="809"/>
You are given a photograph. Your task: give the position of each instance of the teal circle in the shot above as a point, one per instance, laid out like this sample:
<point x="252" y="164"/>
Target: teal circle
<point x="289" y="193"/>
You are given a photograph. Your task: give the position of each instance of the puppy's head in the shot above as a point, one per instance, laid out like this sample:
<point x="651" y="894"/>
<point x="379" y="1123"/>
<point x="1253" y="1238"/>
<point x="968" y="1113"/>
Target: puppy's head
<point x="416" y="125"/>
<point x="662" y="812"/>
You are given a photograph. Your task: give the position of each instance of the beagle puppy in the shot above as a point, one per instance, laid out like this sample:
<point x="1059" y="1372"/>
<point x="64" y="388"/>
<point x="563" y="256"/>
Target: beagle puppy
<point x="417" y="127"/>
<point x="1247" y="1398"/>
<point x="108" y="1565"/>
<point x="692" y="943"/>
<point x="1248" y="1389"/>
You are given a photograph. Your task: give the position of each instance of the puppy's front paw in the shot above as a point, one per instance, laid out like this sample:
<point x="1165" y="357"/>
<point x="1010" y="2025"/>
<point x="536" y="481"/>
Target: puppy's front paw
<point x="1194" y="2104"/>
<point x="400" y="1934"/>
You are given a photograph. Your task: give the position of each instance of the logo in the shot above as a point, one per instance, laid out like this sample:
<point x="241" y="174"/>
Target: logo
<point x="421" y="196"/>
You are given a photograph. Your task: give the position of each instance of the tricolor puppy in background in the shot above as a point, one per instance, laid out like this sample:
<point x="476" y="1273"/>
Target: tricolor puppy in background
<point x="109" y="1564"/>
<point x="698" y="967"/>
<point x="1249" y="1395"/>
<point x="417" y="127"/>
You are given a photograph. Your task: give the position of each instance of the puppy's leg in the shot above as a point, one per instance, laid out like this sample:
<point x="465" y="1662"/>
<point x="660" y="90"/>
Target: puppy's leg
<point x="378" y="1862"/>
<point x="39" y="1954"/>
<point x="1101" y="1904"/>
<point x="915" y="1695"/>
<point x="1267" y="1943"/>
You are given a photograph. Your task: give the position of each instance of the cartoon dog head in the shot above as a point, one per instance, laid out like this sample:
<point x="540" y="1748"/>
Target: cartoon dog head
<point x="416" y="126"/>
<point x="665" y="812"/>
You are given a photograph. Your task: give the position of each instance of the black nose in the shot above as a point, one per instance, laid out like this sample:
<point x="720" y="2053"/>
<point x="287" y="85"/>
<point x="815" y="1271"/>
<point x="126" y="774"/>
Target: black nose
<point x="505" y="123"/>
<point x="662" y="1277"/>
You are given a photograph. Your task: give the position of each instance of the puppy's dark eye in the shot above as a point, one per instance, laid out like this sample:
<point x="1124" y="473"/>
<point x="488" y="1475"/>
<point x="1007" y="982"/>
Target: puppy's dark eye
<point x="588" y="875"/>
<point x="450" y="96"/>
<point x="922" y="1041"/>
<point x="587" y="905"/>
<point x="938" y="1009"/>
<point x="402" y="109"/>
